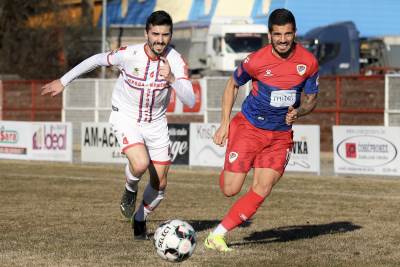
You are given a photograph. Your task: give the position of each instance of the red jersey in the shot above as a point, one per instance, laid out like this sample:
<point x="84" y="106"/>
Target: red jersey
<point x="277" y="84"/>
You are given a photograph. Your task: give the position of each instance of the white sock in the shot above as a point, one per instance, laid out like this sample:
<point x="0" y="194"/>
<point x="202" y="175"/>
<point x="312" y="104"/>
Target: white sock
<point x="151" y="199"/>
<point x="220" y="230"/>
<point x="131" y="183"/>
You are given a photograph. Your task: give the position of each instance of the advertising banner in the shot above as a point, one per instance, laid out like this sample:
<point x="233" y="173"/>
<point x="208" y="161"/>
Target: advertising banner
<point x="366" y="150"/>
<point x="99" y="144"/>
<point x="179" y="136"/>
<point x="14" y="140"/>
<point x="305" y="156"/>
<point x="51" y="141"/>
<point x="177" y="107"/>
<point x="203" y="151"/>
<point x="36" y="140"/>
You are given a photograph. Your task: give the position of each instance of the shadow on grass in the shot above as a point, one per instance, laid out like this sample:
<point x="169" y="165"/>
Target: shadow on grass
<point x="200" y="225"/>
<point x="296" y="232"/>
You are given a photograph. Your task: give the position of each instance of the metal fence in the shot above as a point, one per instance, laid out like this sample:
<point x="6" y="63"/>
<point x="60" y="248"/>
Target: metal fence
<point x="392" y="100"/>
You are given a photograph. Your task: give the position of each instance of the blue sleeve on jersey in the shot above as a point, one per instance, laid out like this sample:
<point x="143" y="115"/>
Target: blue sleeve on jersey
<point x="241" y="76"/>
<point x="311" y="86"/>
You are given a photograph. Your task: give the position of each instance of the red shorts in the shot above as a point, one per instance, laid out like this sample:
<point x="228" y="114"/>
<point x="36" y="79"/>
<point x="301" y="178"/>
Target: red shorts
<point x="251" y="147"/>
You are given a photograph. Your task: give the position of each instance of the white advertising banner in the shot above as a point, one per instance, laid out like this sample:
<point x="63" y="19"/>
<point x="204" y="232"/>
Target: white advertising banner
<point x="14" y="140"/>
<point x="36" y="140"/>
<point x="51" y="141"/>
<point x="203" y="151"/>
<point x="99" y="144"/>
<point x="305" y="156"/>
<point x="366" y="150"/>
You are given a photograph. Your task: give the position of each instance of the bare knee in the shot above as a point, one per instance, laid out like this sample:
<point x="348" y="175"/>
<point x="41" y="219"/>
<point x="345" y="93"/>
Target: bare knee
<point x="262" y="189"/>
<point x="264" y="180"/>
<point x="231" y="183"/>
<point x="230" y="192"/>
<point x="139" y="167"/>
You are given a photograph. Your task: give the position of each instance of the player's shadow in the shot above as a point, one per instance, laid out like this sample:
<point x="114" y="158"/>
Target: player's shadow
<point x="296" y="232"/>
<point x="201" y="225"/>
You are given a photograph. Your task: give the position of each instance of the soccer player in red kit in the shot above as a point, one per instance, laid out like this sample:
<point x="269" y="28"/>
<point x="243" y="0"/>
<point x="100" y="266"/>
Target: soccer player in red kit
<point x="260" y="136"/>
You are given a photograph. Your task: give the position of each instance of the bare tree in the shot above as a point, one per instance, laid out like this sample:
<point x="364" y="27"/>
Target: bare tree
<point x="37" y="42"/>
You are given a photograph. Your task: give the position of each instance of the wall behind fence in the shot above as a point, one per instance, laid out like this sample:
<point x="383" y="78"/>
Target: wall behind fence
<point x="21" y="101"/>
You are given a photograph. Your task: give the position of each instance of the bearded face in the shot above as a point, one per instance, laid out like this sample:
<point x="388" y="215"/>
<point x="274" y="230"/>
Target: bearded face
<point x="158" y="37"/>
<point x="282" y="39"/>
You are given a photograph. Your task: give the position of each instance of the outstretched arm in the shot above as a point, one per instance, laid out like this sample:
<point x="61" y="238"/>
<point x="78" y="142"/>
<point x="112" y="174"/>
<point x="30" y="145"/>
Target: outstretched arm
<point x="57" y="86"/>
<point x="308" y="105"/>
<point x="228" y="99"/>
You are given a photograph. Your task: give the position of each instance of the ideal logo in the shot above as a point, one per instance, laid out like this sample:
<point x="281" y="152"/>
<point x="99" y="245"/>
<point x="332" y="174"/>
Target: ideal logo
<point x="8" y="136"/>
<point x="50" y="137"/>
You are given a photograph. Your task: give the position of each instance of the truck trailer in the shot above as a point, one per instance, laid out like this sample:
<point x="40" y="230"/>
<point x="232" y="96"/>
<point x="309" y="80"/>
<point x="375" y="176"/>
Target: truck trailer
<point x="217" y="47"/>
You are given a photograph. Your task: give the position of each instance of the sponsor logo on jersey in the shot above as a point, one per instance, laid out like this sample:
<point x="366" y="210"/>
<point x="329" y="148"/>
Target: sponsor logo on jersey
<point x="246" y="60"/>
<point x="268" y="73"/>
<point x="135" y="71"/>
<point x="233" y="156"/>
<point x="301" y="69"/>
<point x="283" y="98"/>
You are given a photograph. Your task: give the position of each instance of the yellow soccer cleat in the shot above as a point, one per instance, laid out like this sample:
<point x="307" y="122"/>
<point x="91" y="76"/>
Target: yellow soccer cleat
<point x="216" y="242"/>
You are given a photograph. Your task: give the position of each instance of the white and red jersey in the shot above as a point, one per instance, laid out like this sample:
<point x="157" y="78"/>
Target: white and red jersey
<point x="140" y="93"/>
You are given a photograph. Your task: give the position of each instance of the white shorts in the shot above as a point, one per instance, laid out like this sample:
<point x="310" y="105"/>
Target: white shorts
<point x="153" y="135"/>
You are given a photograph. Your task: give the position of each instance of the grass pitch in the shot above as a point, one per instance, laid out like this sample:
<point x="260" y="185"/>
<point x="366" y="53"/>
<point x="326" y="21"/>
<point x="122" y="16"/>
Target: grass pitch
<point x="54" y="214"/>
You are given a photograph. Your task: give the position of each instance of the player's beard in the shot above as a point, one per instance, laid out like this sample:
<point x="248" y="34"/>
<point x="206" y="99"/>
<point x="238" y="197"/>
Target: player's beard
<point x="151" y="45"/>
<point x="284" y="54"/>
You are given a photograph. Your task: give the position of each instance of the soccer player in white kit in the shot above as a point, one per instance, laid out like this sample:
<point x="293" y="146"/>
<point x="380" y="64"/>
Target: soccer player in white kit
<point x="140" y="98"/>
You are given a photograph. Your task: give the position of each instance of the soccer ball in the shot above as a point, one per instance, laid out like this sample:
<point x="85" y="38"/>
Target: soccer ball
<point x="175" y="240"/>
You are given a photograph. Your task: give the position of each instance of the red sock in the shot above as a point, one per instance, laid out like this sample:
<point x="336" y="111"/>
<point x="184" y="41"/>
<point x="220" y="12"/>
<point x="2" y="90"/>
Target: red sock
<point x="243" y="209"/>
<point x="221" y="181"/>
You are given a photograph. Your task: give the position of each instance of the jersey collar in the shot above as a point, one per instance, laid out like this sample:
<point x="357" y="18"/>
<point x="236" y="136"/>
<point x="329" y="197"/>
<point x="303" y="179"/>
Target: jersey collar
<point x="155" y="57"/>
